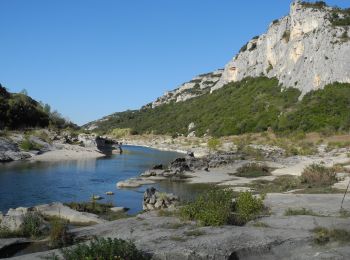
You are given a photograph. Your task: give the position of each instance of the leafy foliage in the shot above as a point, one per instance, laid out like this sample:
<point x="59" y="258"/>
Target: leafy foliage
<point x="212" y="208"/>
<point x="247" y="207"/>
<point x="30" y="227"/>
<point x="214" y="144"/>
<point x="251" y="105"/>
<point x="316" y="5"/>
<point x="340" y="17"/>
<point x="18" y="111"/>
<point x="102" y="248"/>
<point x="320" y="109"/>
<point x="28" y="145"/>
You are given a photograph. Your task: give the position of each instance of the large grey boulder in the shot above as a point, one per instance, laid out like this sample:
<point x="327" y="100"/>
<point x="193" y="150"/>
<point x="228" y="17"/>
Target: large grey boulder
<point x="59" y="210"/>
<point x="152" y="199"/>
<point x="9" y="151"/>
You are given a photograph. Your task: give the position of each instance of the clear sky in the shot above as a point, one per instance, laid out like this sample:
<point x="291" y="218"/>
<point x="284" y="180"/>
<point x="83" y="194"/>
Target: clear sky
<point x="90" y="58"/>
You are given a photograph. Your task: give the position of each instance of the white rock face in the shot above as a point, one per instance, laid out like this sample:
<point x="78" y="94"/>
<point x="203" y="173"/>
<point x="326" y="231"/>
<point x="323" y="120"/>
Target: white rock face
<point x="59" y="210"/>
<point x="14" y="219"/>
<point x="197" y="86"/>
<point x="302" y="50"/>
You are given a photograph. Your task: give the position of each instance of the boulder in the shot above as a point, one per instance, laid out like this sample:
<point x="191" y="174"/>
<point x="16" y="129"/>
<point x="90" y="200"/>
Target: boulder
<point x="179" y="165"/>
<point x="14" y="219"/>
<point x="9" y="151"/>
<point x="133" y="183"/>
<point x="192" y="134"/>
<point x="59" y="210"/>
<point x="157" y="167"/>
<point x="118" y="209"/>
<point x="191" y="126"/>
<point x="152" y="199"/>
<point x="152" y="173"/>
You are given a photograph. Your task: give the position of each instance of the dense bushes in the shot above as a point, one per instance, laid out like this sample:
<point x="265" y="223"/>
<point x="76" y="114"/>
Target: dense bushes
<point x="316" y="5"/>
<point x="247" y="207"/>
<point x="217" y="207"/>
<point x="18" y="111"/>
<point x="212" y="208"/>
<point x="318" y="110"/>
<point x="101" y="248"/>
<point x="251" y="105"/>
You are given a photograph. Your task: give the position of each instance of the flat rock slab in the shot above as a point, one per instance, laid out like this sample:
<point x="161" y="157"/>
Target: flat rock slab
<point x="59" y="210"/>
<point x="134" y="183"/>
<point x="323" y="204"/>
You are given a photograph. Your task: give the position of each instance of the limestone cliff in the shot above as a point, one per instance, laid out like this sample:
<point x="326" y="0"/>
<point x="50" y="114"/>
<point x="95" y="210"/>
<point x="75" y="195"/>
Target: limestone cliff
<point x="306" y="49"/>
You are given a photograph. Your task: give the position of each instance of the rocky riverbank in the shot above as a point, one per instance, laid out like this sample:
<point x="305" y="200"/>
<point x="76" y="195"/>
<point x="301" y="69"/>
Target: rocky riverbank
<point x="277" y="236"/>
<point x="44" y="145"/>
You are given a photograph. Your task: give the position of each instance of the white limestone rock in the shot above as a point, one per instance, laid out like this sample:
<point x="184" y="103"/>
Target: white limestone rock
<point x="302" y="50"/>
<point x="59" y="210"/>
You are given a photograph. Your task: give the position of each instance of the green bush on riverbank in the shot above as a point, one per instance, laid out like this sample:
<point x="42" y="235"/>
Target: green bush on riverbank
<point x="217" y="207"/>
<point x="102" y="248"/>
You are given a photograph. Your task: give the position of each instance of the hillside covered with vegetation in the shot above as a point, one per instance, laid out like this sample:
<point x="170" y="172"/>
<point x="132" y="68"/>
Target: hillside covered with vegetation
<point x="251" y="105"/>
<point x="19" y="111"/>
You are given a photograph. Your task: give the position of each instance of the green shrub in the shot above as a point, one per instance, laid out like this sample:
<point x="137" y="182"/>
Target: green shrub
<point x="323" y="235"/>
<point x="286" y="36"/>
<point x="31" y="225"/>
<point x="247" y="207"/>
<point x="298" y="212"/>
<point x="317" y="175"/>
<point x="214" y="144"/>
<point x="101" y="209"/>
<point x="101" y="248"/>
<point x="120" y="132"/>
<point x="253" y="170"/>
<point x="315" y="5"/>
<point x="212" y="208"/>
<point x="59" y="236"/>
<point x="27" y="145"/>
<point x="250" y="105"/>
<point x="280" y="184"/>
<point x="90" y="207"/>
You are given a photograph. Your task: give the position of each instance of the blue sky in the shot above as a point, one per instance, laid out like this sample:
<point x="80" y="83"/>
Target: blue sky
<point x="90" y="58"/>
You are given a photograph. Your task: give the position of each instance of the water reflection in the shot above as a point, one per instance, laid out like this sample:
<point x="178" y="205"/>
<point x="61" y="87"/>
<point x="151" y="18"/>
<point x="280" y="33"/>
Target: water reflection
<point x="32" y="183"/>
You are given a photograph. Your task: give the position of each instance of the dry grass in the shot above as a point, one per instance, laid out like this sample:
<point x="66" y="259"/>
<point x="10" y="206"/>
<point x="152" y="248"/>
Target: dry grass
<point x="317" y="175"/>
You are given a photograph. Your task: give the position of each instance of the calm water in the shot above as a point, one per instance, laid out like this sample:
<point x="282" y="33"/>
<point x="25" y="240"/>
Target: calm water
<point x="28" y="184"/>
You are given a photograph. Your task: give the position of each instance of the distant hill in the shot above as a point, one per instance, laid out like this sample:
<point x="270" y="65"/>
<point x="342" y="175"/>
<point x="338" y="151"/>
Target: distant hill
<point x="19" y="111"/>
<point x="294" y="77"/>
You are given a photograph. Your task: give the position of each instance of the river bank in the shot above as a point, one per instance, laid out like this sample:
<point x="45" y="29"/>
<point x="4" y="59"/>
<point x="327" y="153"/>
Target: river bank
<point x="52" y="146"/>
